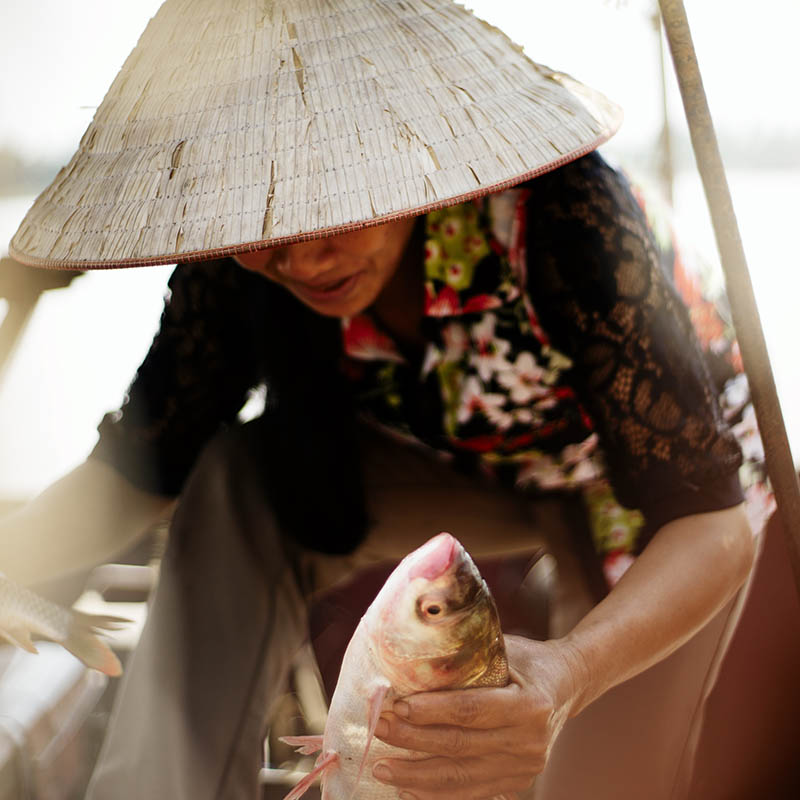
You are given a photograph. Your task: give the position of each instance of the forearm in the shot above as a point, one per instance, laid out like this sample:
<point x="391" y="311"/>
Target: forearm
<point x="687" y="573"/>
<point x="85" y="518"/>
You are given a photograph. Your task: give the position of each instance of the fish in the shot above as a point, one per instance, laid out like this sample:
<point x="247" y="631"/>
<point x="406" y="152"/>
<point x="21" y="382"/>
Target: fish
<point x="23" y="614"/>
<point x="432" y="626"/>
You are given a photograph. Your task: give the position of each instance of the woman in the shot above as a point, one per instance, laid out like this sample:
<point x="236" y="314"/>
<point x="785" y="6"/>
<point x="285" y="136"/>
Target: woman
<point x="334" y="182"/>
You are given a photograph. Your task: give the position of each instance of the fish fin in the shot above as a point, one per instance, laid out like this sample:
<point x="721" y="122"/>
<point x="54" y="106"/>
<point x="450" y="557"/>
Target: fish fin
<point x="375" y="705"/>
<point x="106" y="622"/>
<point x="324" y="765"/>
<point x="101" y="622"/>
<point x="307" y="745"/>
<point x="20" y="637"/>
<point x="82" y="642"/>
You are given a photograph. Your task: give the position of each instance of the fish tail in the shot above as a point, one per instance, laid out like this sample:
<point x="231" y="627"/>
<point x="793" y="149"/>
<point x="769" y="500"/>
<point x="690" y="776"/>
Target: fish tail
<point x="82" y="641"/>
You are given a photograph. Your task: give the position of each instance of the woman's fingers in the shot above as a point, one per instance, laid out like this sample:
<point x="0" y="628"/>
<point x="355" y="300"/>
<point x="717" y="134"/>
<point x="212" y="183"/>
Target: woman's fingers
<point x="447" y="740"/>
<point x="470" y="708"/>
<point x="468" y="779"/>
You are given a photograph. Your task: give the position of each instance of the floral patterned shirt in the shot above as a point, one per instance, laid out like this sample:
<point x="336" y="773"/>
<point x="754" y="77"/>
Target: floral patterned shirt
<point x="508" y="392"/>
<point x="559" y="358"/>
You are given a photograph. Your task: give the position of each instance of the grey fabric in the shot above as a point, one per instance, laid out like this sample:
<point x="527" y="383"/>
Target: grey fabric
<point x="225" y="623"/>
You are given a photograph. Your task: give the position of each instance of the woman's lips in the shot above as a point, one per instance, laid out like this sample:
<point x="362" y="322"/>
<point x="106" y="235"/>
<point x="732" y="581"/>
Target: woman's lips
<point x="334" y="290"/>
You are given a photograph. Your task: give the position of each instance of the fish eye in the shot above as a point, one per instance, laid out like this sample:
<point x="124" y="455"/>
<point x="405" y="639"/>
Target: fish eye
<point x="431" y="608"/>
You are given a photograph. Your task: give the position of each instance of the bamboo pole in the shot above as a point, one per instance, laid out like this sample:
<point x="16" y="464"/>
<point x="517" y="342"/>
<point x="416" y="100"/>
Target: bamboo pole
<point x="740" y="290"/>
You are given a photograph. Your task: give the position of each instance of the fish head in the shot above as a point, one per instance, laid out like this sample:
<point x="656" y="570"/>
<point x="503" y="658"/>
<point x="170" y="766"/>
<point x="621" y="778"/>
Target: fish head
<point x="434" y="625"/>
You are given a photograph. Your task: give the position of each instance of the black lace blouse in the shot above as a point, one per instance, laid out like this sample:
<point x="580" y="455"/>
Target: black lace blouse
<point x="607" y="338"/>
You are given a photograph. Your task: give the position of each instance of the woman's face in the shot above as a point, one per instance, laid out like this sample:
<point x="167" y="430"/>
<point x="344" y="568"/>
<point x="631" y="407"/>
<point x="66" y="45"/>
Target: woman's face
<point x="338" y="276"/>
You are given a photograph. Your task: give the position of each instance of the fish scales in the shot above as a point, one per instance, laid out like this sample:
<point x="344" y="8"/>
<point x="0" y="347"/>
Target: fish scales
<point x="21" y="609"/>
<point x="24" y="614"/>
<point x="432" y="626"/>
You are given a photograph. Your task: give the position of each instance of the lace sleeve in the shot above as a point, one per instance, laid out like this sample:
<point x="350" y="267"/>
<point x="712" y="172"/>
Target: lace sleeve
<point x="599" y="290"/>
<point x="194" y="379"/>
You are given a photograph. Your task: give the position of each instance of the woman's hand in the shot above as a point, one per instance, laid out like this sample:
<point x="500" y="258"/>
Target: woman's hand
<point x="481" y="743"/>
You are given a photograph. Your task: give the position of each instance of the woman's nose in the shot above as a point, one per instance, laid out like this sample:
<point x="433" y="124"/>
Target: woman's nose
<point x="308" y="260"/>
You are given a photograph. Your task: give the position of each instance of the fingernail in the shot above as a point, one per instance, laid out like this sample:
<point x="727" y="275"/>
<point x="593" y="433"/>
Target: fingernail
<point x="400" y="708"/>
<point x="407" y="796"/>
<point x="382" y="772"/>
<point x="382" y="728"/>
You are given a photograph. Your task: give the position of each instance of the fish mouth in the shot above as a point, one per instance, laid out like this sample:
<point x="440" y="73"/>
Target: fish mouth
<point x="436" y="557"/>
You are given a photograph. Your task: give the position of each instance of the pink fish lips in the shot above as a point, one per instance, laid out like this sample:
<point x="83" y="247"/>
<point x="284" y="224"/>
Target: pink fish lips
<point x="432" y="626"/>
<point x="435" y="557"/>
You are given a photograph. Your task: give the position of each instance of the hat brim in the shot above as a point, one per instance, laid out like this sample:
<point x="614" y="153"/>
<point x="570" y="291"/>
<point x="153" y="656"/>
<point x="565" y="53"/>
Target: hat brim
<point x="233" y="130"/>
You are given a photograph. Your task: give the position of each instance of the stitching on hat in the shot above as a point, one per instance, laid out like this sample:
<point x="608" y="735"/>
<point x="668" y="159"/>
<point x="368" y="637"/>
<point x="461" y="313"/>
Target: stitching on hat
<point x="166" y="144"/>
<point x="239" y="187"/>
<point x="222" y="251"/>
<point x="287" y="204"/>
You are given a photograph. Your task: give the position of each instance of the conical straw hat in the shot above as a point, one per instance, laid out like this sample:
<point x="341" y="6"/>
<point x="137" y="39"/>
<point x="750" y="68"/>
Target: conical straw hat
<point x="236" y="125"/>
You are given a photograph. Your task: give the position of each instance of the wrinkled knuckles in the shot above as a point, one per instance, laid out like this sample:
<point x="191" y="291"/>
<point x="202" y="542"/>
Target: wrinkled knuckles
<point x="466" y="710"/>
<point x="451" y="775"/>
<point x="458" y="741"/>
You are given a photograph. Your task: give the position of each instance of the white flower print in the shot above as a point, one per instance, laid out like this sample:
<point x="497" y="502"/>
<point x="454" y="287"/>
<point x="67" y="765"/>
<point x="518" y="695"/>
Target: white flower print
<point x="546" y="403"/>
<point x="543" y="471"/>
<point x="524" y="379"/>
<point x="433" y="357"/>
<point x="454" y="273"/>
<point x="489" y="356"/>
<point x="615" y="565"/>
<point x="456" y="341"/>
<point x="475" y="400"/>
<point x="581" y="451"/>
<point x="523" y="415"/>
<point x="585" y="471"/>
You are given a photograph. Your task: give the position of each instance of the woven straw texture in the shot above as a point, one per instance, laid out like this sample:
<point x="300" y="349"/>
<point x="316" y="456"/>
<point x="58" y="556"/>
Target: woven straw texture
<point x="239" y="124"/>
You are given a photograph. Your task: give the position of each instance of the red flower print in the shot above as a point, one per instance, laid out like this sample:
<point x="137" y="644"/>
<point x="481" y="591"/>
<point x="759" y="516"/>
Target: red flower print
<point x="615" y="565"/>
<point x="479" y="444"/>
<point x="455" y="270"/>
<point x="442" y="305"/>
<point x="364" y="341"/>
<point x="536" y="327"/>
<point x="481" y="302"/>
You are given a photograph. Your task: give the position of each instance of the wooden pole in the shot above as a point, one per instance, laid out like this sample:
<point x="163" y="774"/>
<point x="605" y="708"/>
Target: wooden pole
<point x="740" y="290"/>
